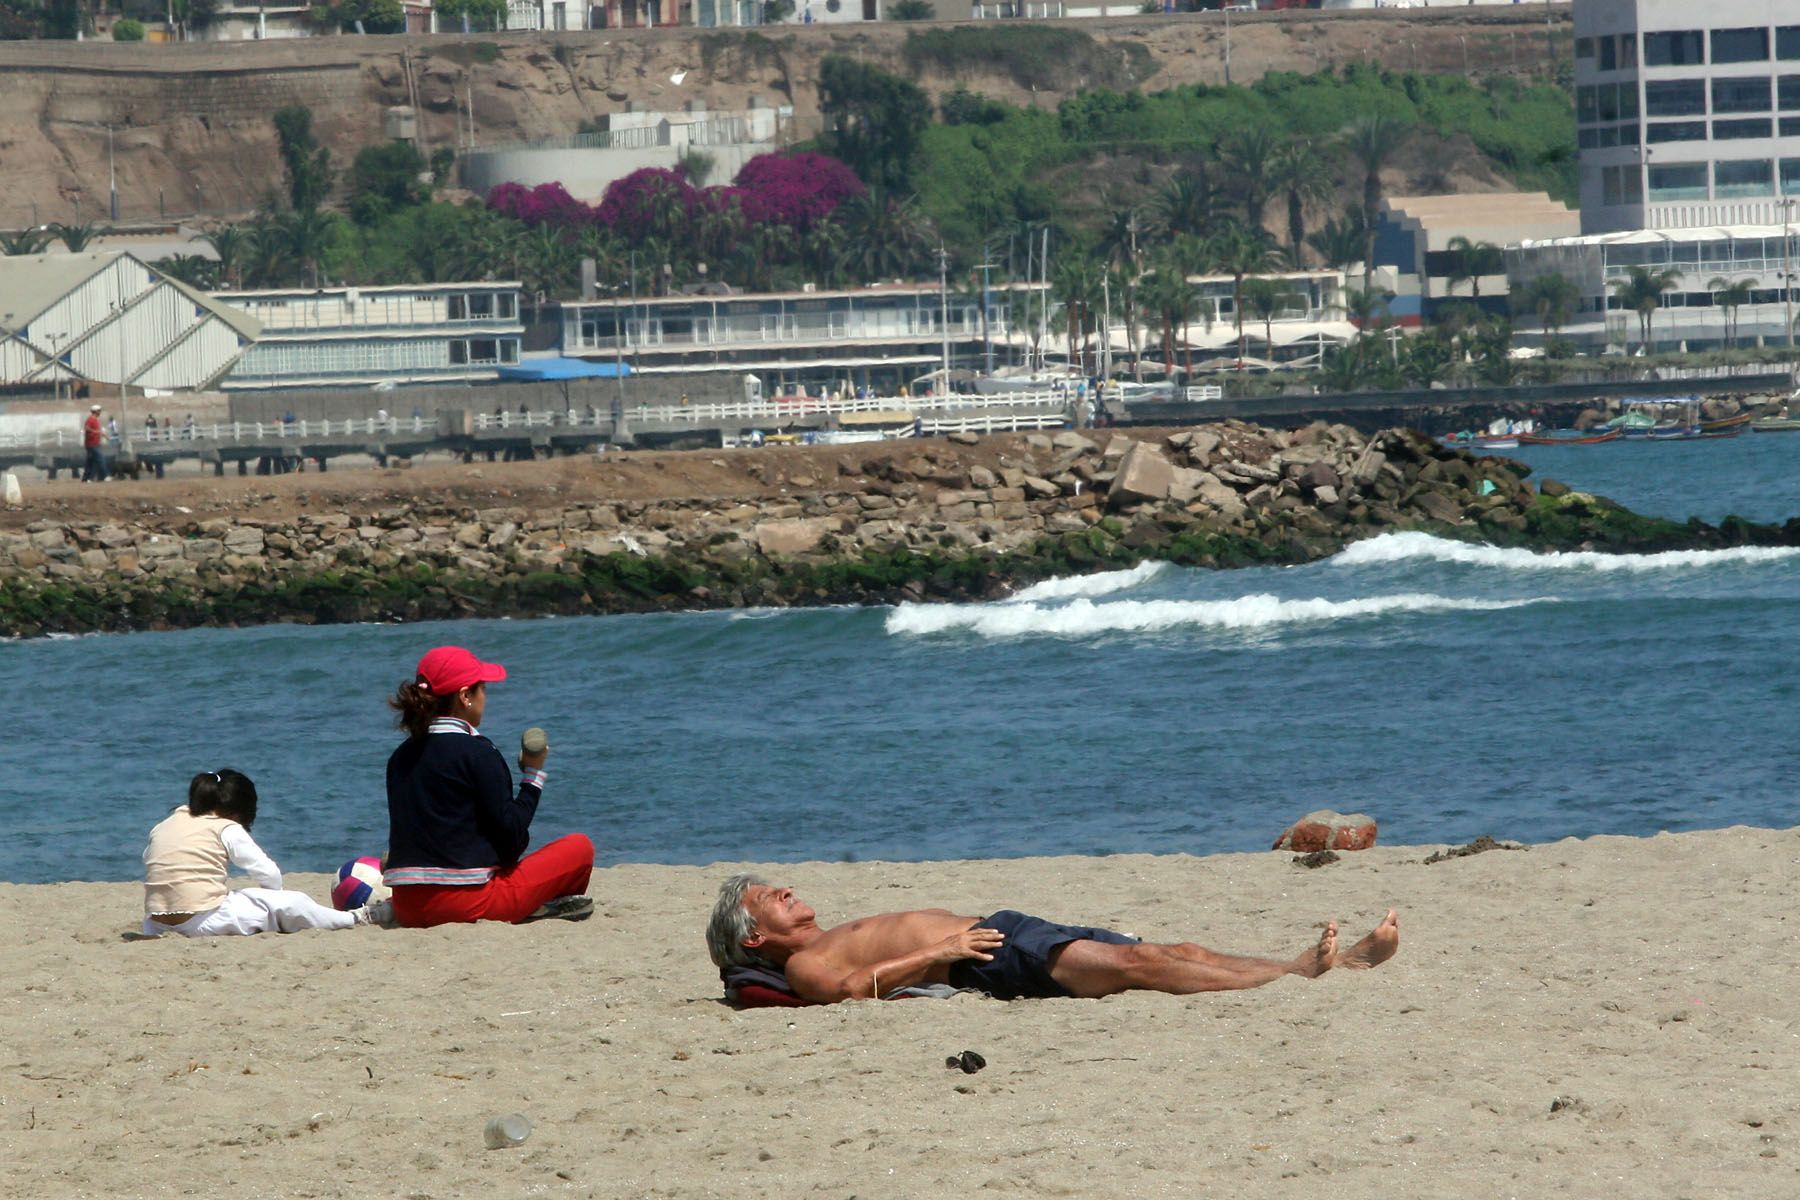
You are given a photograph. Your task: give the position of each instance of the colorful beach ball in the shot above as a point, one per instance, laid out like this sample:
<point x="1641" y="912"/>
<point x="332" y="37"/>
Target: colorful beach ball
<point x="358" y="883"/>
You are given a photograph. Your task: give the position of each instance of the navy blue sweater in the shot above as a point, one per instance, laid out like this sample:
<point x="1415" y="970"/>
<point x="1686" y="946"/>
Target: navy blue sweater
<point x="451" y="805"/>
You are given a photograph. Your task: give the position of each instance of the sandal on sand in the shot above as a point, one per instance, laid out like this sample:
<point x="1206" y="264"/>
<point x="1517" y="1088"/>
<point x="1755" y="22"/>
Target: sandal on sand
<point x="563" y="908"/>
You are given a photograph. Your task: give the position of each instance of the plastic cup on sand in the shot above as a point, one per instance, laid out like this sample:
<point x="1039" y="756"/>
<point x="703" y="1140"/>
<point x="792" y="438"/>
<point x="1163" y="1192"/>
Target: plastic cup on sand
<point x="503" y="1133"/>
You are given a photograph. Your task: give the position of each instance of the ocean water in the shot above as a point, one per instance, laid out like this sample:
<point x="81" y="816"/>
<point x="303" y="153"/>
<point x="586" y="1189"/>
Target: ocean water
<point x="1447" y="690"/>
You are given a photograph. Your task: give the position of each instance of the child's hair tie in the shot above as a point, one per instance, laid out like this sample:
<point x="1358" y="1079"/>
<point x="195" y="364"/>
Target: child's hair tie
<point x="217" y="778"/>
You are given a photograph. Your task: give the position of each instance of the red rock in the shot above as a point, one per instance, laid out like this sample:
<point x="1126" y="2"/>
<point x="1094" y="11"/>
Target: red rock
<point x="1328" y="830"/>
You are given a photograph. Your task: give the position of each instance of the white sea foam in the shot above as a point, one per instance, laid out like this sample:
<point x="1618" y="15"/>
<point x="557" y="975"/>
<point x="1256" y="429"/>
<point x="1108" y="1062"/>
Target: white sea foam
<point x="1104" y="583"/>
<point x="1082" y="617"/>
<point x="1402" y="547"/>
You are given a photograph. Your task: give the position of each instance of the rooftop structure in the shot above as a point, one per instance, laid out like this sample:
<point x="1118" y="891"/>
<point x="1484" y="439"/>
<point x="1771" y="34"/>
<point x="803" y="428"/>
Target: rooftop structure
<point x="1415" y="233"/>
<point x="368" y="336"/>
<point x="107" y="318"/>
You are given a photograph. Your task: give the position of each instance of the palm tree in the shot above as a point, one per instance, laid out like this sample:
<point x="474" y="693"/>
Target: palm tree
<point x="306" y="235"/>
<point x="1188" y="204"/>
<point x="1470" y="261"/>
<point x="1076" y="283"/>
<point x="1641" y="291"/>
<point x="1168" y="299"/>
<point x="1249" y="153"/>
<point x="1730" y="297"/>
<point x="1373" y="140"/>
<point x="886" y="236"/>
<point x="1364" y="307"/>
<point x="1239" y="252"/>
<point x="1266" y="298"/>
<point x="230" y="244"/>
<point x="1340" y="241"/>
<point x="192" y="269"/>
<point x="1553" y="298"/>
<point x="1299" y="171"/>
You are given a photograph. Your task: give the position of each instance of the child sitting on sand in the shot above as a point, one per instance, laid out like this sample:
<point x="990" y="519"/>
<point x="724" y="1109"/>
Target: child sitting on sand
<point x="184" y="871"/>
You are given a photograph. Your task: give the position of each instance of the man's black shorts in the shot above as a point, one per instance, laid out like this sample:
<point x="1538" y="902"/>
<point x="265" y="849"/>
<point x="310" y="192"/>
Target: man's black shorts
<point x="1021" y="966"/>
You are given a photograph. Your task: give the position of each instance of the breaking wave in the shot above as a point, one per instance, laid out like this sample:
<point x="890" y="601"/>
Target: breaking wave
<point x="1104" y="583"/>
<point x="1082" y="617"/>
<point x="1404" y="547"/>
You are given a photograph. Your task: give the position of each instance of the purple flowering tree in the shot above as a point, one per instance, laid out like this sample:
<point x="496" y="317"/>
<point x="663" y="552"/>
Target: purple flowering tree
<point x="545" y="204"/>
<point x="796" y="190"/>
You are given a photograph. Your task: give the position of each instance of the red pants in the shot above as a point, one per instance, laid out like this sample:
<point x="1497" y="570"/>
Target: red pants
<point x="558" y="869"/>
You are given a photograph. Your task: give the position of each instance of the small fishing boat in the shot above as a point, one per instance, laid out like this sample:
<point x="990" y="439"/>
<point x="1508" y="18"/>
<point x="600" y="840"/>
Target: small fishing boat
<point x="1571" y="437"/>
<point x="1718" y="424"/>
<point x="1481" y="441"/>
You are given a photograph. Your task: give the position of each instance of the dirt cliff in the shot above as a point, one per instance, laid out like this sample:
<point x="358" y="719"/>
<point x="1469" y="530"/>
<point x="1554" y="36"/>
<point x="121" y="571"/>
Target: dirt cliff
<point x="190" y="128"/>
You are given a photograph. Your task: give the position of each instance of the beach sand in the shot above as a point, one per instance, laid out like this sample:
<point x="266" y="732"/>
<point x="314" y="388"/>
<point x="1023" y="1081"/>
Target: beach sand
<point x="1613" y="1017"/>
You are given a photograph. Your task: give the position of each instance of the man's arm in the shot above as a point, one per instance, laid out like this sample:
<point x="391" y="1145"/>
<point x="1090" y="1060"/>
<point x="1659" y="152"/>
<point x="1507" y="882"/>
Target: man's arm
<point x="819" y="977"/>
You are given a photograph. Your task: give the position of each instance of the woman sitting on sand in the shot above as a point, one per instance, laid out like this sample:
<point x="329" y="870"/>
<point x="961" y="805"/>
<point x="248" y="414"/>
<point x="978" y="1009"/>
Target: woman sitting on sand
<point x="457" y="831"/>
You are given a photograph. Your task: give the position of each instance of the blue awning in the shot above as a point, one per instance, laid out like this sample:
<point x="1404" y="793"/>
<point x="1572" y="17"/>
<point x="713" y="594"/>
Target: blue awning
<point x="538" y="370"/>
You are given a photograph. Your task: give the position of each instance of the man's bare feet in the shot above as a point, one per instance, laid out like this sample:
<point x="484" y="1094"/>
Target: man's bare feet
<point x="1379" y="946"/>
<point x="1322" y="957"/>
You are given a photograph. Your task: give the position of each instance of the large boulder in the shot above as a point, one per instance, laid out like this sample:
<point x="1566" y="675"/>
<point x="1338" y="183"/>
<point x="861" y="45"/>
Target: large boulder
<point x="1143" y="476"/>
<point x="1328" y="830"/>
<point x="798" y="536"/>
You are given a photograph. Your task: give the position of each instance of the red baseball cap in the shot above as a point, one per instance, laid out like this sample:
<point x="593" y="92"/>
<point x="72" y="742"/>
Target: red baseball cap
<point x="449" y="669"/>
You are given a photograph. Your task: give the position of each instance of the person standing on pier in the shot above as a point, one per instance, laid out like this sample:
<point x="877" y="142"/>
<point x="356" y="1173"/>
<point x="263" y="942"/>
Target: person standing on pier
<point x="457" y="830"/>
<point x="93" y="435"/>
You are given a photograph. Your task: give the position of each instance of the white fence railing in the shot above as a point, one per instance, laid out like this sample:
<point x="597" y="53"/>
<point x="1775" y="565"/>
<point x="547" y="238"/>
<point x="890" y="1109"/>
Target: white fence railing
<point x="782" y="409"/>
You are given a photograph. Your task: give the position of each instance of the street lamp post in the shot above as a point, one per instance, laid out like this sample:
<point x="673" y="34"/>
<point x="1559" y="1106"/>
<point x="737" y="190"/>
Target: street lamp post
<point x="1787" y="274"/>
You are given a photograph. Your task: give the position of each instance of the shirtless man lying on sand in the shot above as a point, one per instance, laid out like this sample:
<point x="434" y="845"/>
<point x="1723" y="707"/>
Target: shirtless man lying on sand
<point x="1006" y="955"/>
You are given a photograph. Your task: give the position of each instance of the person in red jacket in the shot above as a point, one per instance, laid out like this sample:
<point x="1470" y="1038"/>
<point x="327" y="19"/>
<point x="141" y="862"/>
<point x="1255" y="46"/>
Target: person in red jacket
<point x="93" y="435"/>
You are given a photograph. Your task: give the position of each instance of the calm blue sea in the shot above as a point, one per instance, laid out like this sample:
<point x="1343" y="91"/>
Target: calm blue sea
<point x="1449" y="691"/>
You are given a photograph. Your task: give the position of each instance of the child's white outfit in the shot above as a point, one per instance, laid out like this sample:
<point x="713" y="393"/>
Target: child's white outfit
<point x="184" y="872"/>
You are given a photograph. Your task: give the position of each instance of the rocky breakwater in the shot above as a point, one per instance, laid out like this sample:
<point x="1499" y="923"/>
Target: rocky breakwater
<point x="910" y="521"/>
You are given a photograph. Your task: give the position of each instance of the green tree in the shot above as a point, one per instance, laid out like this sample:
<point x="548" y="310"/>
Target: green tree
<point x="74" y="237"/>
<point x="1428" y="358"/>
<point x="192" y="269"/>
<point x="1730" y="296"/>
<point x="1187" y="203"/>
<point x="308" y="164"/>
<point x="1266" y="298"/>
<point x="873" y="120"/>
<point x="1341" y="240"/>
<point x="1301" y="172"/>
<point x="127" y="29"/>
<point x="1552" y="297"/>
<point x="25" y="241"/>
<point x="1076" y="284"/>
<point x="1249" y="155"/>
<point x="911" y="10"/>
<point x="886" y="237"/>
<point x="1239" y="251"/>
<point x="385" y="178"/>
<point x="1641" y="291"/>
<point x="230" y="245"/>
<point x="1373" y="140"/>
<point x="1470" y="261"/>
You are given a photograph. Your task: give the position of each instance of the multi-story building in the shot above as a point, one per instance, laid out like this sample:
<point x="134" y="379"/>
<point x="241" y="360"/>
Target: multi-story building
<point x="1688" y="115"/>
<point x="361" y="337"/>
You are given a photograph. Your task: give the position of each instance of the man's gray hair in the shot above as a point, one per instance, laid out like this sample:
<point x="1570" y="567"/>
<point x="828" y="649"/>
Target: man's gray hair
<point x="731" y="923"/>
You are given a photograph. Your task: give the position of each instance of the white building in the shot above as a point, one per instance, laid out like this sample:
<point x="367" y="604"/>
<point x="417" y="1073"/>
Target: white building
<point x="107" y="318"/>
<point x="1688" y="114"/>
<point x="585" y="163"/>
<point x="360" y="337"/>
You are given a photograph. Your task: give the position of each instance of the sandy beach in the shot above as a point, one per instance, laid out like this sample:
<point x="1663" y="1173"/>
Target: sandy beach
<point x="1611" y="1017"/>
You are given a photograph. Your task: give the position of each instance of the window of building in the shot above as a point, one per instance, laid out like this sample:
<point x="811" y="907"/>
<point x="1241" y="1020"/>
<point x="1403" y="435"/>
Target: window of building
<point x="484" y="350"/>
<point x="1678" y="48"/>
<point x="1634" y="185"/>
<point x="1608" y="96"/>
<point x="1628" y="100"/>
<point x="1609" y="136"/>
<point x="1677" y="181"/>
<point x="1628" y="49"/>
<point x="458" y="308"/>
<point x="1611" y="189"/>
<point x="1587" y="104"/>
<point x="1790" y="176"/>
<point x="1587" y="139"/>
<point x="1743" y="177"/>
<point x="1741" y="94"/>
<point x="1609" y="54"/>
<point x="1787" y="43"/>
<point x="509" y="351"/>
<point x="459" y="352"/>
<point x="506" y="305"/>
<point x="1676" y="131"/>
<point x="481" y="305"/>
<point x="1787" y="93"/>
<point x="1790" y="127"/>
<point x="1628" y="134"/>
<point x="1584" y="47"/>
<point x="1740" y="45"/>
<point x="1674" y="98"/>
<point x="1743" y="127"/>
